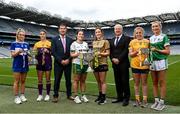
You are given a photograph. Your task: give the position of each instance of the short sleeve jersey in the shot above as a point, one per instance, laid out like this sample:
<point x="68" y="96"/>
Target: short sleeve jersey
<point x="20" y="62"/>
<point x="159" y="42"/>
<point x="136" y="45"/>
<point x="40" y="46"/>
<point x="80" y="48"/>
<point x="102" y="46"/>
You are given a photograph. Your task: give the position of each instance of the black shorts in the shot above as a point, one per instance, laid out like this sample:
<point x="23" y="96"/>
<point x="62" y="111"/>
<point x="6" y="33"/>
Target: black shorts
<point x="101" y="68"/>
<point x="45" y="67"/>
<point x="140" y="71"/>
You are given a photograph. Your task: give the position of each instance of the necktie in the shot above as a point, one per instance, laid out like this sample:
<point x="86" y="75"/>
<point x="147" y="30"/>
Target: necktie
<point x="64" y="44"/>
<point x="116" y="41"/>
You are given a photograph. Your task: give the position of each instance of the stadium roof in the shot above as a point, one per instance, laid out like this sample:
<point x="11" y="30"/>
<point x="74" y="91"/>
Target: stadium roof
<point x="30" y="14"/>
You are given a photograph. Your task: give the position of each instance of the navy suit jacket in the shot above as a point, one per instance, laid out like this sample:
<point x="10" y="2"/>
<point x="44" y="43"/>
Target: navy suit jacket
<point x="58" y="50"/>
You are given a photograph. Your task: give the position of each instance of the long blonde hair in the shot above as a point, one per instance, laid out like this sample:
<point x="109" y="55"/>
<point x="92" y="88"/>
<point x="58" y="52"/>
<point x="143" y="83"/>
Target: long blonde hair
<point x="18" y="31"/>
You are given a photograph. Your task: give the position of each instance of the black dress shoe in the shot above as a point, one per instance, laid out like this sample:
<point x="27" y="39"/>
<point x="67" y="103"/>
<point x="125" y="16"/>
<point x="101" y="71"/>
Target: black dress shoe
<point x="125" y="102"/>
<point x="55" y="100"/>
<point x="117" y="101"/>
<point x="70" y="98"/>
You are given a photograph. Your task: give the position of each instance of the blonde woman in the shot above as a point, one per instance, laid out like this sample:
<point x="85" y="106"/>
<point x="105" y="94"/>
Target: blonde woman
<point x="20" y="67"/>
<point x="160" y="47"/>
<point x="140" y="71"/>
<point x="101" y="48"/>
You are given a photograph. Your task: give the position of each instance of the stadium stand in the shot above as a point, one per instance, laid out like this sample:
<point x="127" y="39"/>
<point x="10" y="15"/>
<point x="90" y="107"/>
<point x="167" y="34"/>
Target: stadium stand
<point x="14" y="15"/>
<point x="175" y="49"/>
<point x="4" y="53"/>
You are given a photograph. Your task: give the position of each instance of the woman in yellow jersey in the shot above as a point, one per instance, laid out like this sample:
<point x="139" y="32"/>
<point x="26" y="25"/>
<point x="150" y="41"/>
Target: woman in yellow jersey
<point x="44" y="65"/>
<point x="139" y="70"/>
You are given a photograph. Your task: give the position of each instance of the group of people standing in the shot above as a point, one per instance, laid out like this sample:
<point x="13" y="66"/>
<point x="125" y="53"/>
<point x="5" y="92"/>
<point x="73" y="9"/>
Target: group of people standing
<point x="158" y="47"/>
<point x="68" y="54"/>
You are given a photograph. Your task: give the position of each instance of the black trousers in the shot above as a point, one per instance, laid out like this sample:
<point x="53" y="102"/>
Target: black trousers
<point x="58" y="71"/>
<point x="121" y="77"/>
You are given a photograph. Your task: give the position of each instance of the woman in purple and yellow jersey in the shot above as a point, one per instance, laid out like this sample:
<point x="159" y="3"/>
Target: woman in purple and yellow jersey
<point x="44" y="65"/>
<point x="20" y="67"/>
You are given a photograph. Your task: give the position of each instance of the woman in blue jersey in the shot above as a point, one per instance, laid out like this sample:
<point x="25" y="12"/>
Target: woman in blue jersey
<point x="19" y="52"/>
<point x="160" y="47"/>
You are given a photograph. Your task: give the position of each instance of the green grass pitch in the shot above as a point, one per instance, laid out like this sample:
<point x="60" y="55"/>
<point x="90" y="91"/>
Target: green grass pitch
<point x="173" y="85"/>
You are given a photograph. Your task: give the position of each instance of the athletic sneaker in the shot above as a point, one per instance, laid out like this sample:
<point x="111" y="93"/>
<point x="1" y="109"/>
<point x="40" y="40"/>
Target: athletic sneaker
<point x="23" y="98"/>
<point x="102" y="101"/>
<point x="17" y="100"/>
<point x="144" y="104"/>
<point x="136" y="103"/>
<point x="77" y="100"/>
<point x="40" y="98"/>
<point x="155" y="104"/>
<point x="98" y="99"/>
<point x="84" y="99"/>
<point x="47" y="97"/>
<point x="160" y="105"/>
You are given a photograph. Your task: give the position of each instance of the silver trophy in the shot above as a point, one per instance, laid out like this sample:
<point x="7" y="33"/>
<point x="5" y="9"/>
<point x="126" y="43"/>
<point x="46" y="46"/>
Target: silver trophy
<point x="88" y="56"/>
<point x="33" y="60"/>
<point x="146" y="52"/>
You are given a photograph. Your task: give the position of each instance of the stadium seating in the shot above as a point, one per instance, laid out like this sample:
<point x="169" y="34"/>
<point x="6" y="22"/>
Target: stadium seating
<point x="5" y="52"/>
<point x="10" y="26"/>
<point x="175" y="49"/>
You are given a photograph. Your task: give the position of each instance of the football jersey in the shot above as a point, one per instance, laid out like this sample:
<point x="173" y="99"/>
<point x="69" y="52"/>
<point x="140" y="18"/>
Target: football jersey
<point x="136" y="45"/>
<point x="102" y="46"/>
<point x="20" y="62"/>
<point x="42" y="57"/>
<point x="80" y="48"/>
<point x="159" y="42"/>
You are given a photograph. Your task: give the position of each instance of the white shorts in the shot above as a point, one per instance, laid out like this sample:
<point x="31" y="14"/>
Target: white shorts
<point x="159" y="65"/>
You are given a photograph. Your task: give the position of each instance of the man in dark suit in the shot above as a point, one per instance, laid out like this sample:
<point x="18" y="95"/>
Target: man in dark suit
<point x="120" y="63"/>
<point x="62" y="61"/>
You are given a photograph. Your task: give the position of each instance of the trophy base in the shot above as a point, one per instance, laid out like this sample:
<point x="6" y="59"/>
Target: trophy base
<point x="33" y="63"/>
<point x="89" y="69"/>
<point x="146" y="63"/>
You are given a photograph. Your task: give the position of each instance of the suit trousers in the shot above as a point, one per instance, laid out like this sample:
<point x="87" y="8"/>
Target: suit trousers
<point x="121" y="76"/>
<point x="58" y="71"/>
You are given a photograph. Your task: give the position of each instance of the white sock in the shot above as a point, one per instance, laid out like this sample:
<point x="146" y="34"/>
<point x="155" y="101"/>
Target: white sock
<point x="156" y="99"/>
<point x="162" y="101"/>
